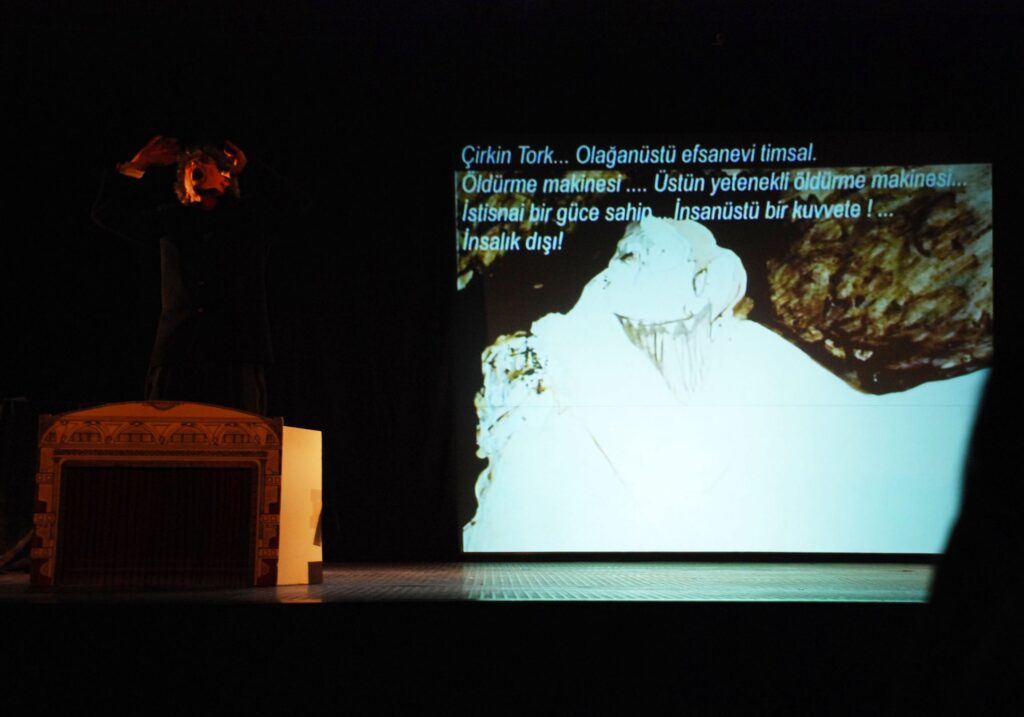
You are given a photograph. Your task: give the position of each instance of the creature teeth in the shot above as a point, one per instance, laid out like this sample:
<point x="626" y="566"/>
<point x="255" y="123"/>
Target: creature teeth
<point x="677" y="348"/>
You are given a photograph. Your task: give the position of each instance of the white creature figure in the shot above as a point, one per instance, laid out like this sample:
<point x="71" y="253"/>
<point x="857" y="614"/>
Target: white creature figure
<point x="651" y="418"/>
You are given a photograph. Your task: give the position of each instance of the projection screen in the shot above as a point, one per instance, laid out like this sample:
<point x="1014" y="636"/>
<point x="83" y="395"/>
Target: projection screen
<point x="709" y="343"/>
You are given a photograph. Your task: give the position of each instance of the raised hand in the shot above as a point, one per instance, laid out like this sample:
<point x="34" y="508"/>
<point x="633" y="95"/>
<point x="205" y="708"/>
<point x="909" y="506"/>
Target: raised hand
<point x="237" y="157"/>
<point x="159" y="151"/>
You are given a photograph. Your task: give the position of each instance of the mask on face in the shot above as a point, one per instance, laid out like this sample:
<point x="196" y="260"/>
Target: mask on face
<point x="204" y="176"/>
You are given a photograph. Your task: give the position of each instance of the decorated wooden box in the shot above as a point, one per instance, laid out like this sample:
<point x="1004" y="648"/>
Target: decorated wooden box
<point x="175" y="495"/>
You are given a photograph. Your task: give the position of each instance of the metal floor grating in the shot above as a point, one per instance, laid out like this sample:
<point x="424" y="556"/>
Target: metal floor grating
<point x="564" y="582"/>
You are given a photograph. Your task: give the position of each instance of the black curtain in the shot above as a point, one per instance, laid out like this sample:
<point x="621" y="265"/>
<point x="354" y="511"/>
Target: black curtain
<point x="363" y="105"/>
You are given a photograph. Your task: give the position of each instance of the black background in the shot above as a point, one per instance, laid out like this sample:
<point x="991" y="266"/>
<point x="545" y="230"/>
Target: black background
<point x="365" y="105"/>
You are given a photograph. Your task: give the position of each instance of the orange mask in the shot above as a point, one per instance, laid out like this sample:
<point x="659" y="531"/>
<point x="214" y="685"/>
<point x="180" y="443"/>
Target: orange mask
<point x="205" y="182"/>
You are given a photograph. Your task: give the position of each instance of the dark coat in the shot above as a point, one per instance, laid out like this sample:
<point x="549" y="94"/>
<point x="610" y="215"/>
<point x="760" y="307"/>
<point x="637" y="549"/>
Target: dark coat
<point x="213" y="262"/>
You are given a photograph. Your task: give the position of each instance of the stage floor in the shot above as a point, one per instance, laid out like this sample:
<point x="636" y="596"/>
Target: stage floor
<point x="547" y="582"/>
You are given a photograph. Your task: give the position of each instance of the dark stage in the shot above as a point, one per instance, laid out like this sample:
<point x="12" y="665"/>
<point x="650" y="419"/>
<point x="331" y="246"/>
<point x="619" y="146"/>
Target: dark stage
<point x="562" y="582"/>
<point x="706" y="638"/>
<point x="364" y="105"/>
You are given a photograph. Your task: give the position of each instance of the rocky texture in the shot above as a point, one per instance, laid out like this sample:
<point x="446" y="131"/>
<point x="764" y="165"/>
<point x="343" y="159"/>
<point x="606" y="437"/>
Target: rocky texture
<point x="891" y="303"/>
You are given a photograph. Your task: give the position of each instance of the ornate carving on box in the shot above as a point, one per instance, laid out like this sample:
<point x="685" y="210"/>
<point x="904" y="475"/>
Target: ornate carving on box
<point x="158" y="433"/>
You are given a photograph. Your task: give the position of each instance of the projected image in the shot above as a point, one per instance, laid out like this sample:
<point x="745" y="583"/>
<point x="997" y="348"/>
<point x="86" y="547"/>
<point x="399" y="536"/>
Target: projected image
<point x="801" y="377"/>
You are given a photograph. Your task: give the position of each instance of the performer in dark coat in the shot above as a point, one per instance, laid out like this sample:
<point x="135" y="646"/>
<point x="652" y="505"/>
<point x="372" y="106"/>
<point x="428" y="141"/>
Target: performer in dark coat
<point x="213" y="341"/>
